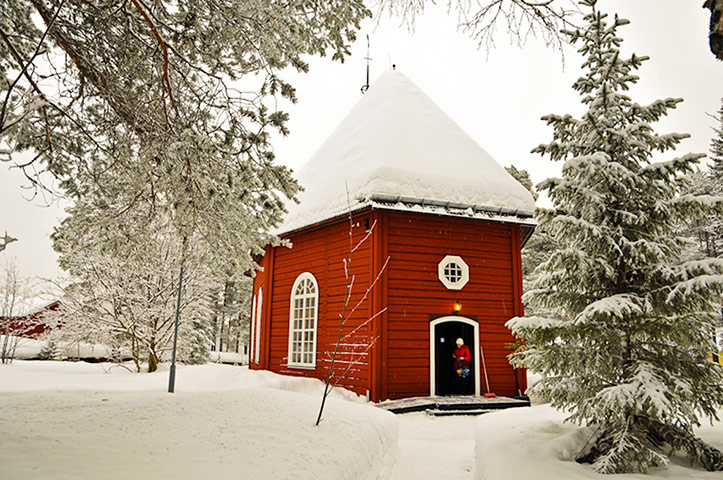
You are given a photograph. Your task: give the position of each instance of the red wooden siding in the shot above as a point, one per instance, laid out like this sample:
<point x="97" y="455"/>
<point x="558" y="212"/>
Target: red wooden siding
<point x="32" y="325"/>
<point x="260" y="282"/>
<point x="397" y="364"/>
<point x="321" y="253"/>
<point x="416" y="245"/>
<point x="379" y="268"/>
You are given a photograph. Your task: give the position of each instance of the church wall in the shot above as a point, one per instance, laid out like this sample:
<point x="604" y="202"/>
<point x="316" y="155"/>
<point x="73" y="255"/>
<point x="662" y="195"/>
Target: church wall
<point x="410" y="291"/>
<point x="321" y="252"/>
<point x="416" y="245"/>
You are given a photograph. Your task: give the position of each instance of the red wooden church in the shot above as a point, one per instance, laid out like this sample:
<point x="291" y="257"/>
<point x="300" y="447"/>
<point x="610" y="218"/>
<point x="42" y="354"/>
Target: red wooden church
<point x="443" y="225"/>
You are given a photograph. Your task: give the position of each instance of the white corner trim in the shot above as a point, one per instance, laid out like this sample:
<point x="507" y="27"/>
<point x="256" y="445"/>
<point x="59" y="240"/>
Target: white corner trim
<point x="259" y="307"/>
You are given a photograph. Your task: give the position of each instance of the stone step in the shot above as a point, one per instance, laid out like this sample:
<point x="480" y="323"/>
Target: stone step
<point x="421" y="404"/>
<point x="448" y="413"/>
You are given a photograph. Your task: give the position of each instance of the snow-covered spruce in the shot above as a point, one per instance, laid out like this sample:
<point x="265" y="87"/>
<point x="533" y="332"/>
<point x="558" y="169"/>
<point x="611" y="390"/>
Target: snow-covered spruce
<point x="706" y="234"/>
<point x="716" y="149"/>
<point x="625" y="346"/>
<point x="711" y="228"/>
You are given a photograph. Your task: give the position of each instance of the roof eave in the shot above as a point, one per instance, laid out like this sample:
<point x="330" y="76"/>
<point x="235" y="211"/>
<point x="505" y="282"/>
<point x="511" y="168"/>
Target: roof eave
<point x="429" y="206"/>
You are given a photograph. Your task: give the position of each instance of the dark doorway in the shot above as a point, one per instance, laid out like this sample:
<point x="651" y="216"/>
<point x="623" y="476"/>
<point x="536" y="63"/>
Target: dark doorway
<point x="447" y="381"/>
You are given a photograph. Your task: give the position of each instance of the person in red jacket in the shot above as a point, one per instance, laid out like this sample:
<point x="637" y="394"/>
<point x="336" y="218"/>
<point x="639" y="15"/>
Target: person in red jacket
<point x="461" y="357"/>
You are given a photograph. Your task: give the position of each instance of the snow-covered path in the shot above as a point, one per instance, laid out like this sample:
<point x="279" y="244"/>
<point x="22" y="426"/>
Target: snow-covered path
<point x="435" y="447"/>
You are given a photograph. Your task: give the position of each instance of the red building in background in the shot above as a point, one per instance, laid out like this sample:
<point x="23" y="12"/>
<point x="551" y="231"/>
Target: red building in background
<point x="436" y="227"/>
<point x="29" y="323"/>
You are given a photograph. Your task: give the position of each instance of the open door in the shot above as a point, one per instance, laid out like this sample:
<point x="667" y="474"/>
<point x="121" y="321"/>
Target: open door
<point x="443" y="334"/>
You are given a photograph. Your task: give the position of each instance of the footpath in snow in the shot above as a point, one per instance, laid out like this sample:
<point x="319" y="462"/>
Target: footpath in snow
<point x="437" y="448"/>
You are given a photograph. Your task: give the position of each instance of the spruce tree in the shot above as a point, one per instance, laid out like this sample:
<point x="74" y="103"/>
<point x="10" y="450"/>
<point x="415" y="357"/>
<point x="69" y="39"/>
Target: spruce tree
<point x="540" y="244"/>
<point x="50" y="350"/>
<point x="716" y="151"/>
<point x="624" y="346"/>
<point x="715" y="223"/>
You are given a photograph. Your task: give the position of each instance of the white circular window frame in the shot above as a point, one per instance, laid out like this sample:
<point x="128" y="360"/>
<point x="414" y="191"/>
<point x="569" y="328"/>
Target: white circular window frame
<point x="459" y="285"/>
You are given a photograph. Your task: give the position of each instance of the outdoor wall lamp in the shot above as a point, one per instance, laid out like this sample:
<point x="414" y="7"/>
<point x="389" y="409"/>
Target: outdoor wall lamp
<point x="457" y="307"/>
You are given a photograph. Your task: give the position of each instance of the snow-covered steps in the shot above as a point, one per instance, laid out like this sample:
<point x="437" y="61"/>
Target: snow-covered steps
<point x="448" y="413"/>
<point x="452" y="403"/>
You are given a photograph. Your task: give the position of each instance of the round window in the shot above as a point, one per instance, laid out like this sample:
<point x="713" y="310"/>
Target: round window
<point x="453" y="272"/>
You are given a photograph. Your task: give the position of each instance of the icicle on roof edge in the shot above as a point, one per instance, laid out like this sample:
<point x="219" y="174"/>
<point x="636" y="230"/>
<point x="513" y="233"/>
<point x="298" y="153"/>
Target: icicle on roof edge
<point x="396" y="142"/>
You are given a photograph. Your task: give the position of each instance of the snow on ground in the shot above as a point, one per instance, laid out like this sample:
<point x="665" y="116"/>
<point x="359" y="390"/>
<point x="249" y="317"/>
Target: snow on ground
<point x="75" y="420"/>
<point x="535" y="443"/>
<point x="79" y="420"/>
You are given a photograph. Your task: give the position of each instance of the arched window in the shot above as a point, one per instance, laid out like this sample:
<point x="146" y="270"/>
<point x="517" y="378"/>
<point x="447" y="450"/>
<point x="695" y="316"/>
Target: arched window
<point x="302" y="321"/>
<point x="260" y="303"/>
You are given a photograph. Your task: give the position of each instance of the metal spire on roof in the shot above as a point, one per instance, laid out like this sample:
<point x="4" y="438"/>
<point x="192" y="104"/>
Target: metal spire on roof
<point x="5" y="240"/>
<point x="365" y="87"/>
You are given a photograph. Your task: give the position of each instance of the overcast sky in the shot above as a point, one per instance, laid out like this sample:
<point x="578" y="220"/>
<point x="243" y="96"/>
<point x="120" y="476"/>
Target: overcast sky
<point x="496" y="97"/>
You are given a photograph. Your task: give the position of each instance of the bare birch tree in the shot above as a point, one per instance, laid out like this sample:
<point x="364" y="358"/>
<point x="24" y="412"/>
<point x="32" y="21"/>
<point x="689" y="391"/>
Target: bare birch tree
<point x="14" y="296"/>
<point x="348" y="353"/>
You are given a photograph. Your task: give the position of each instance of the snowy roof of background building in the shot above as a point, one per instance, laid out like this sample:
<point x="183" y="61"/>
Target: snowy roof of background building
<point x="396" y="142"/>
<point x="25" y="306"/>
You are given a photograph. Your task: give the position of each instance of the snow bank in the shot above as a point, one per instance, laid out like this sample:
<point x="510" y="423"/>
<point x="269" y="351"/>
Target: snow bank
<point x="535" y="443"/>
<point x="397" y="141"/>
<point x="229" y="357"/>
<point x="29" y="348"/>
<point x="77" y="420"/>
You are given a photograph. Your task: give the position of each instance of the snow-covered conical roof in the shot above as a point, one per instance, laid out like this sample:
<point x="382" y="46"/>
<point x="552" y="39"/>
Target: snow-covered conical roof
<point x="397" y="142"/>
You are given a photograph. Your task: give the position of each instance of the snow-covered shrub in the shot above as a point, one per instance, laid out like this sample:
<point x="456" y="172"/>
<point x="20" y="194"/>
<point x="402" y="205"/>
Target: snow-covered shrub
<point x="123" y="285"/>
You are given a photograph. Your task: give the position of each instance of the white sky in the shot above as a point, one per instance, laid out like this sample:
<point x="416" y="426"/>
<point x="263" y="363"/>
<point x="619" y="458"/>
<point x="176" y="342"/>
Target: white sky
<point x="497" y="99"/>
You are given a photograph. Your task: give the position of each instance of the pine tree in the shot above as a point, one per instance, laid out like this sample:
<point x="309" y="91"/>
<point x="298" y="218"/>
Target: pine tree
<point x="523" y="177"/>
<point x="624" y="348"/>
<point x="716" y="151"/>
<point x="175" y="102"/>
<point x="540" y="244"/>
<point x="704" y="235"/>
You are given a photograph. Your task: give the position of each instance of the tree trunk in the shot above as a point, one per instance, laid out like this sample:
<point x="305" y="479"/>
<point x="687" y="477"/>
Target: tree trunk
<point x="152" y="362"/>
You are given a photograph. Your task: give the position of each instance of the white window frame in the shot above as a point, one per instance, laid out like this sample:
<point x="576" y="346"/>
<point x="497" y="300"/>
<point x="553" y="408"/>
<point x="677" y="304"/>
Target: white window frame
<point x="456" y="259"/>
<point x="259" y="305"/>
<point x="252" y="337"/>
<point x="306" y="276"/>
